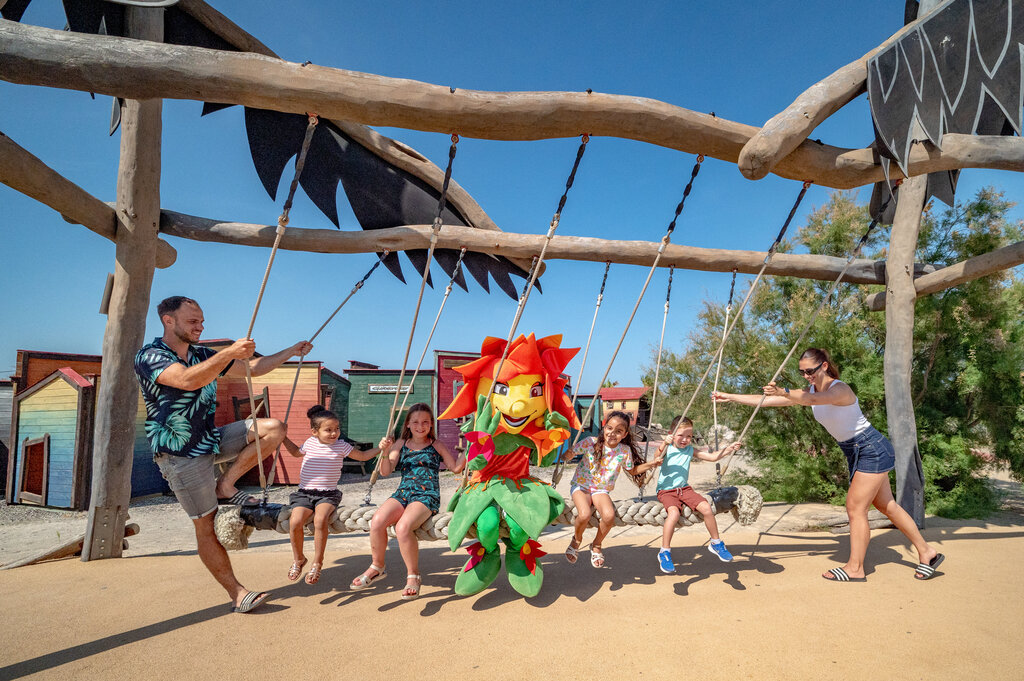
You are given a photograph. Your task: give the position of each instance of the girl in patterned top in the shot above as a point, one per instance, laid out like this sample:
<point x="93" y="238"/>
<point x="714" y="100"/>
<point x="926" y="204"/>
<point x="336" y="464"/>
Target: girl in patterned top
<point x="603" y="457"/>
<point x="318" y="494"/>
<point x="418" y="455"/>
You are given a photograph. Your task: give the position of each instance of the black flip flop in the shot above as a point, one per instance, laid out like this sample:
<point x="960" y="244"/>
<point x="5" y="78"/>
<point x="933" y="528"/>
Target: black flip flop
<point x="925" y="571"/>
<point x="839" y="575"/>
<point x="238" y="499"/>
<point x="252" y="600"/>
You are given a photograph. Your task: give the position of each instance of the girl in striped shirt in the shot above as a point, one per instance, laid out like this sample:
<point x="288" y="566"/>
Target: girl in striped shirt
<point x="318" y="494"/>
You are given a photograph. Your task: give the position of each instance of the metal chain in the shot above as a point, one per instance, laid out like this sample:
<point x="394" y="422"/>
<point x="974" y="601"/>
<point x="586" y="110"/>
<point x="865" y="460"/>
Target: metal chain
<point x="282" y="225"/>
<point x="435" y="231"/>
<point x="824" y="301"/>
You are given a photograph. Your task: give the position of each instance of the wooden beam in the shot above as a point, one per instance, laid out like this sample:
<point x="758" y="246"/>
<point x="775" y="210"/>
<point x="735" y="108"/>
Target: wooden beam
<point x="785" y="131"/>
<point x="392" y="151"/>
<point x="899" y="346"/>
<point x="25" y="173"/>
<point x="136" y="69"/>
<point x="117" y="403"/>
<point x="524" y="246"/>
<point x="968" y="270"/>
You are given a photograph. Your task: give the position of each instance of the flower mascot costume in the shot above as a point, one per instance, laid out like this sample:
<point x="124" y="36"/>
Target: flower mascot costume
<point x="521" y="415"/>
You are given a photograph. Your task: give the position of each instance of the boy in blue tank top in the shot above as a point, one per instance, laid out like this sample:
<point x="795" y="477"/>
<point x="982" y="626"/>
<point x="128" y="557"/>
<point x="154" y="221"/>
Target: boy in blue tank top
<point x="674" y="457"/>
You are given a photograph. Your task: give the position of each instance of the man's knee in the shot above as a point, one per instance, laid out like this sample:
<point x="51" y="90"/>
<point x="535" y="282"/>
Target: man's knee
<point x="272" y="430"/>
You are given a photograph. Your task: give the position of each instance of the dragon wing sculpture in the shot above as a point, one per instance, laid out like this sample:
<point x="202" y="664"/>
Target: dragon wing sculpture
<point x="959" y="72"/>
<point x="381" y="194"/>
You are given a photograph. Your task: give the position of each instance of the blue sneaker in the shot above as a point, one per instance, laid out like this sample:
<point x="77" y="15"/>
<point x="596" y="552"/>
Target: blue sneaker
<point x="665" y="561"/>
<point x="718" y="548"/>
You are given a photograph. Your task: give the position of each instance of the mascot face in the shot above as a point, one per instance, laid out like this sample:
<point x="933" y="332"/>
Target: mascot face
<point x="530" y="385"/>
<point x="520" y="400"/>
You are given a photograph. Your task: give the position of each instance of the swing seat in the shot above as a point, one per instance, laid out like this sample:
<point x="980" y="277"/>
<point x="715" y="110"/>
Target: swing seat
<point x="723" y="498"/>
<point x="262" y="517"/>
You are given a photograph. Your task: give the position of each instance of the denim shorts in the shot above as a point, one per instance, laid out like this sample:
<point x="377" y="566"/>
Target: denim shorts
<point x="869" y="452"/>
<point x="194" y="479"/>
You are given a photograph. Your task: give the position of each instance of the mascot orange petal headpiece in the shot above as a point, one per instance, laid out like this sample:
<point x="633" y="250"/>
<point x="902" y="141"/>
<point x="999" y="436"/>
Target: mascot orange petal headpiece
<point x="526" y="356"/>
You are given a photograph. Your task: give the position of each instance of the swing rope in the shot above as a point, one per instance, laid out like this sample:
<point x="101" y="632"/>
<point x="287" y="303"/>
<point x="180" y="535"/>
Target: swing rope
<point x="435" y="231"/>
<point x="426" y="346"/>
<point x="807" y="327"/>
<point x="657" y="258"/>
<point x="282" y="225"/>
<point x="657" y="370"/>
<point x="298" y="369"/>
<point x="716" y="357"/>
<point x="535" y="267"/>
<point x="593" y="322"/>
<point x="718" y="373"/>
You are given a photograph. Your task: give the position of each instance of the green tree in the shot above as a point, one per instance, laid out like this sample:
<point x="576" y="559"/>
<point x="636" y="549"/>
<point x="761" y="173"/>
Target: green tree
<point x="967" y="370"/>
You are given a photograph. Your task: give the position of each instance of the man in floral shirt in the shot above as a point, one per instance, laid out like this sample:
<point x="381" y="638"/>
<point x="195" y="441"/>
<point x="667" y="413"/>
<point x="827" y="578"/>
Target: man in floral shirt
<point x="179" y="385"/>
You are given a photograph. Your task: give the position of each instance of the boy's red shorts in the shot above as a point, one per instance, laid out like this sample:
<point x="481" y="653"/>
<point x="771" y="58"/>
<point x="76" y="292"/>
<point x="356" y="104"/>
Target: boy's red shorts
<point x="679" y="496"/>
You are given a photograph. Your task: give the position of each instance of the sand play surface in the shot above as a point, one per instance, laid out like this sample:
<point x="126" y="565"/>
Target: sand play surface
<point x="767" y="615"/>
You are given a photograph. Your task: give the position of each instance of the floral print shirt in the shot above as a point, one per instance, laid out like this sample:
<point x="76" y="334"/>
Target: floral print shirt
<point x="600" y="474"/>
<point x="178" y="422"/>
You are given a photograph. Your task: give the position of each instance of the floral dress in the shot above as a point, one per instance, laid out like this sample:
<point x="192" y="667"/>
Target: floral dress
<point x="599" y="475"/>
<point x="419" y="470"/>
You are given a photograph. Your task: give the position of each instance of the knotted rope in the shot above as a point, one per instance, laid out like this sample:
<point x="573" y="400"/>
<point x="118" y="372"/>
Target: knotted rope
<point x="233" y="532"/>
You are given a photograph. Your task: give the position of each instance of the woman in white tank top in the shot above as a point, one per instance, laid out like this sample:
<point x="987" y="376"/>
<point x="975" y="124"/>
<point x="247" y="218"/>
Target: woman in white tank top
<point x="869" y="456"/>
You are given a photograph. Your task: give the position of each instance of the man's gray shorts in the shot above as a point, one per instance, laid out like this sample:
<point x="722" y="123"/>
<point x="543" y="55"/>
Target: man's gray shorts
<point x="194" y="479"/>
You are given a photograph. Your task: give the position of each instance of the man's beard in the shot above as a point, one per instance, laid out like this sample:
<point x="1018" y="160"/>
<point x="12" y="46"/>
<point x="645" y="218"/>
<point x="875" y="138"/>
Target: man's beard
<point x="183" y="337"/>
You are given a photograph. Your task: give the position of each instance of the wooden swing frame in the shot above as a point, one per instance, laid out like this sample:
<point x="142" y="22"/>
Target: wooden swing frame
<point x="142" y="71"/>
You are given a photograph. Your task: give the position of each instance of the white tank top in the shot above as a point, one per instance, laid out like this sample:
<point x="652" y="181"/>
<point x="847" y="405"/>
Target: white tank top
<point x="842" y="422"/>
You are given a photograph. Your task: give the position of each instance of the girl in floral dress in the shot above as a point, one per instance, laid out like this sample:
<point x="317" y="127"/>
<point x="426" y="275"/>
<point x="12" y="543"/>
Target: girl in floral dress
<point x="603" y="457"/>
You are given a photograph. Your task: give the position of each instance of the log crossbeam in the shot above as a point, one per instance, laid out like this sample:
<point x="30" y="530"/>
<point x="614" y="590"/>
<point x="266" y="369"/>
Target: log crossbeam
<point x="22" y="171"/>
<point x="142" y="70"/>
<point x="510" y="244"/>
<point x="968" y="270"/>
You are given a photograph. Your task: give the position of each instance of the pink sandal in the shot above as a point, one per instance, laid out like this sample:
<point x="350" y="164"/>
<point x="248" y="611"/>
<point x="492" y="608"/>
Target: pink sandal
<point x="296" y="570"/>
<point x="313" y="576"/>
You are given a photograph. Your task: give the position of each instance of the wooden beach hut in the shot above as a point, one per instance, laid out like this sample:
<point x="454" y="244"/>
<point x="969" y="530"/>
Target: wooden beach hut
<point x="6" y="405"/>
<point x="52" y="454"/>
<point x="449" y="382"/>
<point x="372" y="394"/>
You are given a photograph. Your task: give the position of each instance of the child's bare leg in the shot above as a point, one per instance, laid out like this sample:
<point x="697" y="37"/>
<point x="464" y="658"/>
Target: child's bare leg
<point x="704" y="508"/>
<point x="604" y="504"/>
<point x="672" y="517"/>
<point x="321" y="529"/>
<point x="583" y="512"/>
<point x="415" y="513"/>
<point x="296" y="525"/>
<point x="386" y="516"/>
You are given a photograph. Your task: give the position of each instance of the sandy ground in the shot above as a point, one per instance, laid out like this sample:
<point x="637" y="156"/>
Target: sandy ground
<point x="767" y="615"/>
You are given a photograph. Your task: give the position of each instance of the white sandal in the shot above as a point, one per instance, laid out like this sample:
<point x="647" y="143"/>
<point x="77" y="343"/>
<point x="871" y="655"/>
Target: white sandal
<point x="363" y="581"/>
<point x="415" y="590"/>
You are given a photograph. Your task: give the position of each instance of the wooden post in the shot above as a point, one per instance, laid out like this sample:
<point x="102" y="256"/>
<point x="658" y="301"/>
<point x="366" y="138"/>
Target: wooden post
<point x="901" y="296"/>
<point x="138" y="213"/>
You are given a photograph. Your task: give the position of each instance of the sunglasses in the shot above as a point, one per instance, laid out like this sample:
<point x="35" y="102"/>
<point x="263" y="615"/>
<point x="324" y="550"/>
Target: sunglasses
<point x="811" y="372"/>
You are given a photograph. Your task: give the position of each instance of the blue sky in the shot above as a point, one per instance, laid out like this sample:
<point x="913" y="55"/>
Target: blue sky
<point x="744" y="61"/>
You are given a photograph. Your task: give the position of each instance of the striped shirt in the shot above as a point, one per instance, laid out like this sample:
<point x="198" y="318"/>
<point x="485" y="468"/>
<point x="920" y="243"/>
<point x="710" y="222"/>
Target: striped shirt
<point x="321" y="464"/>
